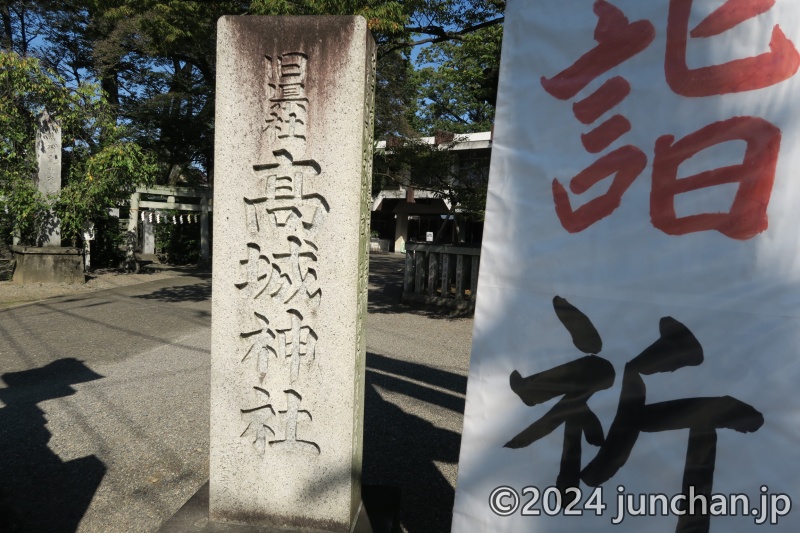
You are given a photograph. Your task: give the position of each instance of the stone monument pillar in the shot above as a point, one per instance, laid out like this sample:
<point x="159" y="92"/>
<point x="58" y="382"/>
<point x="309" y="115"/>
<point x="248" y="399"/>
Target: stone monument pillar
<point x="132" y="235"/>
<point x="48" y="261"/>
<point x="48" y="180"/>
<point x="293" y="160"/>
<point x="149" y="231"/>
<point x="205" y="249"/>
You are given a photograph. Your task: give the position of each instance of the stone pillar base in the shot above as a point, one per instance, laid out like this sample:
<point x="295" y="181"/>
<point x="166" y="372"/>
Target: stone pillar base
<point x="379" y="513"/>
<point x="49" y="264"/>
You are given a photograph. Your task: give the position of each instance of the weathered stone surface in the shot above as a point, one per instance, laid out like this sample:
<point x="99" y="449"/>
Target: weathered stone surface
<point x="48" y="155"/>
<point x="291" y="237"/>
<point x="149" y="245"/>
<point x="48" y="264"/>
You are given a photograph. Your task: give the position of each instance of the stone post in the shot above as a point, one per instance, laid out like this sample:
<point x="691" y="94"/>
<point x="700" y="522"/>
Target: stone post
<point x="148" y="235"/>
<point x="47" y="261"/>
<point x="293" y="155"/>
<point x="205" y="250"/>
<point x="400" y="231"/>
<point x="132" y="236"/>
<point x="48" y="179"/>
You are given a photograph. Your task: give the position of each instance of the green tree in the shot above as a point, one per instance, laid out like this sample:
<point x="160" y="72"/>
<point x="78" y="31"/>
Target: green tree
<point x="155" y="61"/>
<point x="99" y="180"/>
<point x="458" y="82"/>
<point x="455" y="91"/>
<point x="399" y="25"/>
<point x="458" y="177"/>
<point x="171" y="99"/>
<point x="100" y="165"/>
<point x="24" y="91"/>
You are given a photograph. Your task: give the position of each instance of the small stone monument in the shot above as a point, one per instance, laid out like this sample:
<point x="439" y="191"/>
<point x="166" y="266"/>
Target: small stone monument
<point x="48" y="261"/>
<point x="48" y="179"/>
<point x="293" y="160"/>
<point x="149" y="245"/>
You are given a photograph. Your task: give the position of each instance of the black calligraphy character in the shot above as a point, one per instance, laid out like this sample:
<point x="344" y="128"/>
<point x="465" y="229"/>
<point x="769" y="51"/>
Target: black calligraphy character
<point x="676" y="348"/>
<point x="576" y="381"/>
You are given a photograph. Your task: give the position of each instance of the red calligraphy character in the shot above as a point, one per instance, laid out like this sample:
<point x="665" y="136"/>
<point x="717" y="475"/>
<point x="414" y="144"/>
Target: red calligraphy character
<point x="608" y="96"/>
<point x="606" y="133"/>
<point x="729" y="15"/>
<point x="625" y="163"/>
<point x="618" y="39"/>
<point x="747" y="74"/>
<point x="755" y="175"/>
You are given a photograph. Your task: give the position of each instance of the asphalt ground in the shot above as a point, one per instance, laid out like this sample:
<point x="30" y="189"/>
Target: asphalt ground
<point x="104" y="405"/>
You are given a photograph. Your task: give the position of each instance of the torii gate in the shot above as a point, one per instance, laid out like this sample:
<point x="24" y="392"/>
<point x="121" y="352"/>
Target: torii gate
<point x="205" y="206"/>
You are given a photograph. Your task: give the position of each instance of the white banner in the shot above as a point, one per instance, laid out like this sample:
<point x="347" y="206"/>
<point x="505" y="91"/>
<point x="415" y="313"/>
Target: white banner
<point x="635" y="360"/>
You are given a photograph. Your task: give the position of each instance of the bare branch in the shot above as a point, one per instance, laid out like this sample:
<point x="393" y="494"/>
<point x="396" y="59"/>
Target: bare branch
<point x="439" y="34"/>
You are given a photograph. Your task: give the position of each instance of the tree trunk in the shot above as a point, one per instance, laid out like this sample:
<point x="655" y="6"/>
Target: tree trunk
<point x="23" y="33"/>
<point x="8" y="32"/>
<point x="110" y="85"/>
<point x="175" y="172"/>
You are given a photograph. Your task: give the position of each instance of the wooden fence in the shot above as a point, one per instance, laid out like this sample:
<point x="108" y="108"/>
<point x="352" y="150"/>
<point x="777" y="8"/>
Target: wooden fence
<point x="442" y="275"/>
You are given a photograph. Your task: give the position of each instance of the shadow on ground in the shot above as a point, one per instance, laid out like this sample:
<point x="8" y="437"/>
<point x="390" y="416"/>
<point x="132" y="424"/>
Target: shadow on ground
<point x="400" y="448"/>
<point x="198" y="292"/>
<point x="40" y="493"/>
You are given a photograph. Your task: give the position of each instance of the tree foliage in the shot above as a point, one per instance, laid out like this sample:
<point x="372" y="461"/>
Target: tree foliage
<point x="458" y="83"/>
<point x="99" y="180"/>
<point x="399" y="24"/>
<point x="156" y="63"/>
<point x="100" y="165"/>
<point x="458" y="177"/>
<point x="150" y="66"/>
<point x="454" y="90"/>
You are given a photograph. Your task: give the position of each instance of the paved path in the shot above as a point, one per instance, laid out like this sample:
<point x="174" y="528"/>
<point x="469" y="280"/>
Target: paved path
<point x="104" y="405"/>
